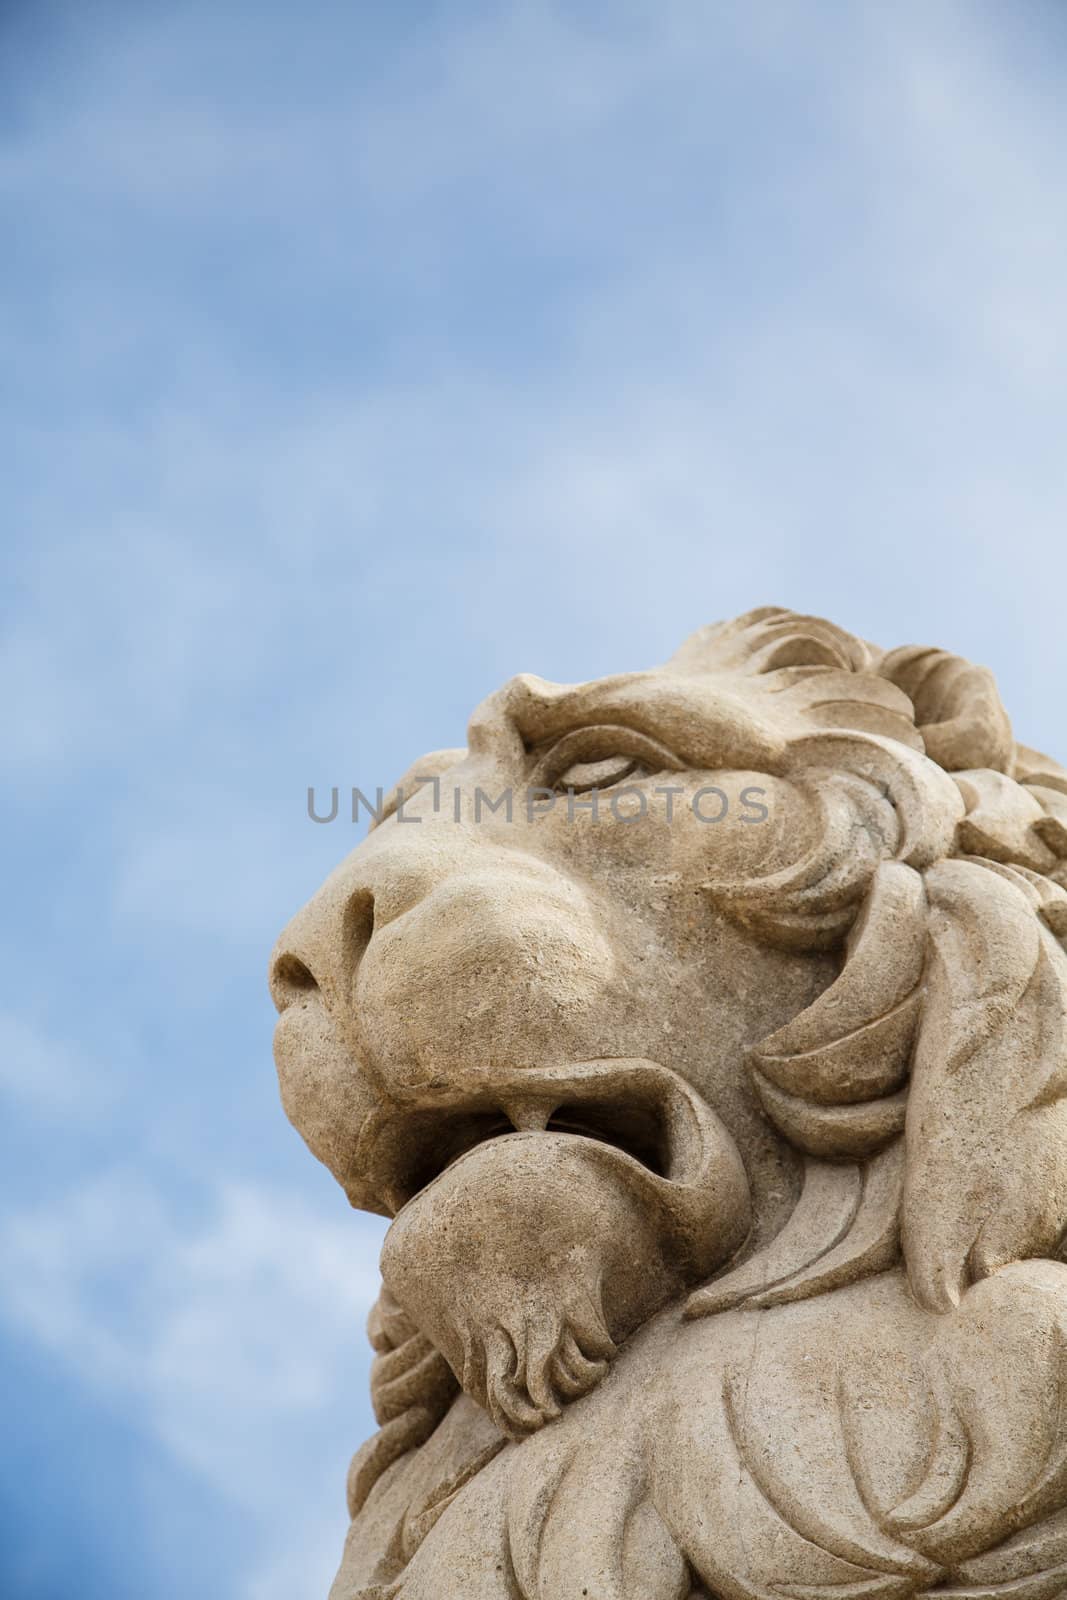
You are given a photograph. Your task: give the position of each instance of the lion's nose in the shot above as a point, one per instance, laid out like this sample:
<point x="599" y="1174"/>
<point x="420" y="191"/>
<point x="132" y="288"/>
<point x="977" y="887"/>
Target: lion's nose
<point x="323" y="945"/>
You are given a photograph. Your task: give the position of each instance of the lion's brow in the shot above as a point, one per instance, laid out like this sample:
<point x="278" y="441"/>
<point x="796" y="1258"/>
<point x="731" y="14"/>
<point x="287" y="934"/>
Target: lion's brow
<point x="540" y="709"/>
<point x="535" y="708"/>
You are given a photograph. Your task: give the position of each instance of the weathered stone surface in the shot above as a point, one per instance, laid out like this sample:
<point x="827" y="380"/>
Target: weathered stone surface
<point x="723" y="1130"/>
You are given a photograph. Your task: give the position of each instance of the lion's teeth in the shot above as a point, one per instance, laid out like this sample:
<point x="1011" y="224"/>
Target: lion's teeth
<point x="528" y="1116"/>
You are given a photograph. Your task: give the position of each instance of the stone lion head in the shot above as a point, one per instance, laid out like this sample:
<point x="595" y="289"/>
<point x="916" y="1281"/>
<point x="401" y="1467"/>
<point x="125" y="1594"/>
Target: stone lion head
<point x="722" y="985"/>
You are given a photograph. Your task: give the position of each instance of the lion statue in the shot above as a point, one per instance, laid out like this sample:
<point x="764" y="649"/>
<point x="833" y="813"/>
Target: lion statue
<point x="703" y="1034"/>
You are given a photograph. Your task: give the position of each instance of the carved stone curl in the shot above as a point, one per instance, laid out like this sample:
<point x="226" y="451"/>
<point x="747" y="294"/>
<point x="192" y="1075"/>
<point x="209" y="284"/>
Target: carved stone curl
<point x="704" y="1033"/>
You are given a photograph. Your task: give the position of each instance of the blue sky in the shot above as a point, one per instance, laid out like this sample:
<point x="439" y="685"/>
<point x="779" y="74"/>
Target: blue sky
<point x="355" y="357"/>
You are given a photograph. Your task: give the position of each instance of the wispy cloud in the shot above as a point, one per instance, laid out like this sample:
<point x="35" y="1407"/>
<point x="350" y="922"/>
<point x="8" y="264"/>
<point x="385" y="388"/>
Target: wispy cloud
<point x="219" y="1334"/>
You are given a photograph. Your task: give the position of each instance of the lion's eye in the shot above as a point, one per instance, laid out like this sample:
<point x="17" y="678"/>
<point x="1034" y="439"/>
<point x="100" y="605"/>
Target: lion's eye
<point x="585" y="775"/>
<point x="600" y="756"/>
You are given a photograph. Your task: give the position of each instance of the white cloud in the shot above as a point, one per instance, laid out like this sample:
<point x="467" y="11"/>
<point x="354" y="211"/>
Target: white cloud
<point x="48" y="1076"/>
<point x="238" y="1341"/>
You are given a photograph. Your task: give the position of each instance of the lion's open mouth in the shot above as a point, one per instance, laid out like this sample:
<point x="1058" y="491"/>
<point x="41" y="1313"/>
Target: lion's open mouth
<point x="446" y="1138"/>
<point x="641" y="1109"/>
<point x="536" y="1224"/>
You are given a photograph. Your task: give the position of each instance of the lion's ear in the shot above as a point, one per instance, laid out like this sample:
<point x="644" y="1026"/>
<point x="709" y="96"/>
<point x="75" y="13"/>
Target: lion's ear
<point x="986" y="1127"/>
